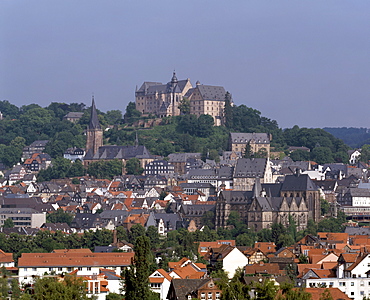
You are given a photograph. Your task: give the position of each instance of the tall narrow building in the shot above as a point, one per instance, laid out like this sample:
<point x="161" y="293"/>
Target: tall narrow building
<point x="94" y="132"/>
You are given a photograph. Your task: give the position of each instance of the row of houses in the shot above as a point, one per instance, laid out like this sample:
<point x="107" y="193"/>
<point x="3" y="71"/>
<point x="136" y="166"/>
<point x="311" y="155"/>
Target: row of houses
<point x="186" y="278"/>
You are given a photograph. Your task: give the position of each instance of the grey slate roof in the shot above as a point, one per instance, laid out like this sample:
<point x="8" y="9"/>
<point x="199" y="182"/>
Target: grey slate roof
<point x="183" y="287"/>
<point x="237" y="196"/>
<point x="120" y="152"/>
<point x="209" y="92"/>
<point x="196" y="185"/>
<point x="170" y="220"/>
<point x="250" y="167"/>
<point x="150" y="88"/>
<point x="39" y="143"/>
<point x="300" y="182"/>
<point x="73" y="114"/>
<point x="357" y="230"/>
<point x="225" y="172"/>
<point x="198" y="209"/>
<point x="356" y="192"/>
<point x="244" y="138"/>
<point x="182" y="157"/>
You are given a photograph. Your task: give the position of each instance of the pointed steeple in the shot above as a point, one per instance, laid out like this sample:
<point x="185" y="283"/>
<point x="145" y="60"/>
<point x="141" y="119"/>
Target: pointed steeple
<point x="94" y="120"/>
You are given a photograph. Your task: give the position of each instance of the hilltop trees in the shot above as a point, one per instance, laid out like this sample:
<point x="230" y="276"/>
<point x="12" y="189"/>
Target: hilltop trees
<point x="184" y="133"/>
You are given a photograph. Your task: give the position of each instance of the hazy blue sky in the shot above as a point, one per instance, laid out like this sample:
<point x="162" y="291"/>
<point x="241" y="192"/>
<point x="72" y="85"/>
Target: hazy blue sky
<point x="298" y="62"/>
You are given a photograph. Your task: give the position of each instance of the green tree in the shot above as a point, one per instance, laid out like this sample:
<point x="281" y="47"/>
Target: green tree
<point x="300" y="155"/>
<point x="325" y="207"/>
<point x="113" y="117"/>
<point x="322" y="155"/>
<point x="8" y="223"/>
<point x="133" y="166"/>
<point x="234" y="289"/>
<point x="113" y="296"/>
<point x="277" y="231"/>
<point x="204" y="126"/>
<point x="59" y="169"/>
<point x="184" y="106"/>
<point x="59" y="216"/>
<point x="152" y="234"/>
<point x="365" y="153"/>
<point x="248" y="153"/>
<point x="228" y="111"/>
<point x="136" y="231"/>
<point x="303" y="259"/>
<point x="244" y="239"/>
<point x="137" y="275"/>
<point x="131" y="114"/>
<point x="76" y="169"/>
<point x="11" y="154"/>
<point x="292" y="228"/>
<point x="50" y="288"/>
<point x="9" y="111"/>
<point x="288" y="292"/>
<point x="4" y="286"/>
<point x="16" y="291"/>
<point x="208" y="219"/>
<point x="291" y="270"/>
<point x="266" y="290"/>
<point x="105" y="169"/>
<point x="311" y="227"/>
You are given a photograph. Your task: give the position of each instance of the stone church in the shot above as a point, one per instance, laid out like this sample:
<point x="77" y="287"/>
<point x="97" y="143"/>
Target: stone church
<point x="297" y="197"/>
<point x="95" y="150"/>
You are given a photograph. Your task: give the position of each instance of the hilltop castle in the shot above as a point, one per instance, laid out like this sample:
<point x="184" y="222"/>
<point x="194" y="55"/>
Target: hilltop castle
<point x="164" y="99"/>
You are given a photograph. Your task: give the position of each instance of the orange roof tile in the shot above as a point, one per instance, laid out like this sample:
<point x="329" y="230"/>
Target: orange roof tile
<point x="75" y="259"/>
<point x="6" y="257"/>
<point x="188" y="272"/>
<point x="265" y="247"/>
<point x="302" y="267"/>
<point x="316" y="293"/>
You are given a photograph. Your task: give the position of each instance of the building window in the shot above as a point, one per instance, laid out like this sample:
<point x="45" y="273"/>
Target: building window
<point x="209" y="296"/>
<point x="89" y="268"/>
<point x="203" y="296"/>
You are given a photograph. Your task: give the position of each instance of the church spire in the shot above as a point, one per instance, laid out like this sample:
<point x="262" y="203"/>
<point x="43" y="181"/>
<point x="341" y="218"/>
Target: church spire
<point x="94" y="120"/>
<point x="94" y="132"/>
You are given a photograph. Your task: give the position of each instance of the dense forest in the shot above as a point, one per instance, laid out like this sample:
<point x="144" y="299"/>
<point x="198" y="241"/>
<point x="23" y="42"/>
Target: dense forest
<point x="21" y="126"/>
<point x="353" y="137"/>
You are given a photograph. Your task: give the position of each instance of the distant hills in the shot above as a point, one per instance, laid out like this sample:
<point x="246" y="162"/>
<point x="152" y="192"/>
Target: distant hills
<point x="353" y="137"/>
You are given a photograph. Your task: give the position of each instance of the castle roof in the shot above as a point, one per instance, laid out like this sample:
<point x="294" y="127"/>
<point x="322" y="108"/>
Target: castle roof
<point x="244" y="138"/>
<point x="209" y="92"/>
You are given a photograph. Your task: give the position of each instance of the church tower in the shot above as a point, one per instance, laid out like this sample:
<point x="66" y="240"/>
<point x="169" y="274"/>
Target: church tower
<point x="94" y="132"/>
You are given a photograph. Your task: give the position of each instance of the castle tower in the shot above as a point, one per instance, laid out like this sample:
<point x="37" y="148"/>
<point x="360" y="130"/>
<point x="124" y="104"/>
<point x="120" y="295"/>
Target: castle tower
<point x="94" y="131"/>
